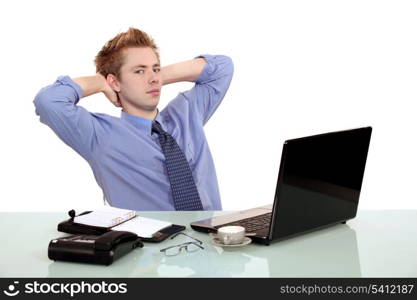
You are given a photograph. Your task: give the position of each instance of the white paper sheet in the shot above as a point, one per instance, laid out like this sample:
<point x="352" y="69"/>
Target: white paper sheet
<point x="105" y="216"/>
<point x="143" y="227"/>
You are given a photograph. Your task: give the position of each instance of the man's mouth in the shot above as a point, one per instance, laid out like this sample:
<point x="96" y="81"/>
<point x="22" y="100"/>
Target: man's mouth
<point x="153" y="92"/>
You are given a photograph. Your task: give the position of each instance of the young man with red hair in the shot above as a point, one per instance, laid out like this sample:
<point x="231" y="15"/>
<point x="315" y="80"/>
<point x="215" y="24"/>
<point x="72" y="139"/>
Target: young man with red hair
<point x="147" y="159"/>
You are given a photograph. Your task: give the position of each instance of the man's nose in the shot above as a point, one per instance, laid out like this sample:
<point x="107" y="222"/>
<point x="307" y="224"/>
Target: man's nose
<point x="154" y="78"/>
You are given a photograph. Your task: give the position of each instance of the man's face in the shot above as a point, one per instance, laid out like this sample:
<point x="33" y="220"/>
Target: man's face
<point x="140" y="80"/>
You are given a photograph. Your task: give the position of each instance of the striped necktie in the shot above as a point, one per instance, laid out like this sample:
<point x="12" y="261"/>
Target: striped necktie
<point x="184" y="190"/>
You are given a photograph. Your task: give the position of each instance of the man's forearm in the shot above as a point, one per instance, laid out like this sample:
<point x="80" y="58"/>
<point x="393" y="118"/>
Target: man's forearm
<point x="183" y="71"/>
<point x="90" y="84"/>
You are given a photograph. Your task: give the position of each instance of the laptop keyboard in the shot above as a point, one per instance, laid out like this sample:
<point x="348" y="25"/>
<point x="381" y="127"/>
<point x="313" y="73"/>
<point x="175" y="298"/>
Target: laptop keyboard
<point x="253" y="224"/>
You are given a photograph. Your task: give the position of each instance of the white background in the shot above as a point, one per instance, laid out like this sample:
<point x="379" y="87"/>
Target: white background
<point x="301" y="68"/>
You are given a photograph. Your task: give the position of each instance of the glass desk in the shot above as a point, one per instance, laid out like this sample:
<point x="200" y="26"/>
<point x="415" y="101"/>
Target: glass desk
<point x="374" y="244"/>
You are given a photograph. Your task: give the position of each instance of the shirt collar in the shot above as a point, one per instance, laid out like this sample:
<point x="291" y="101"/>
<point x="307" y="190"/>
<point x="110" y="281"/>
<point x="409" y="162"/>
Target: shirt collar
<point x="143" y="124"/>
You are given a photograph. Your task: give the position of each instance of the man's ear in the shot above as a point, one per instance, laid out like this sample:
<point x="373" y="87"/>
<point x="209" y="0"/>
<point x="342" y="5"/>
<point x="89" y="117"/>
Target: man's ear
<point x="113" y="82"/>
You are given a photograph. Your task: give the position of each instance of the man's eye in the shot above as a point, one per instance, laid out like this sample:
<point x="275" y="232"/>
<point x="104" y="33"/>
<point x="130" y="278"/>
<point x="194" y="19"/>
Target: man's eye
<point x="156" y="70"/>
<point x="139" y="71"/>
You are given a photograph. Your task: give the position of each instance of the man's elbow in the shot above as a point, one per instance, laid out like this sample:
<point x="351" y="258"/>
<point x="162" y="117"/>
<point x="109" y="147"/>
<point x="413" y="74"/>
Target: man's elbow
<point x="227" y="64"/>
<point x="46" y="100"/>
<point x="41" y="101"/>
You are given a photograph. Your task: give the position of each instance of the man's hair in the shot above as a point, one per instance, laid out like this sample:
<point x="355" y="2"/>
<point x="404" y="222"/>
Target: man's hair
<point x="110" y="58"/>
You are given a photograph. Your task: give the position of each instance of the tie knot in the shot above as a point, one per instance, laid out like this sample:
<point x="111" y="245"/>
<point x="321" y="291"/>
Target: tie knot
<point x="157" y="128"/>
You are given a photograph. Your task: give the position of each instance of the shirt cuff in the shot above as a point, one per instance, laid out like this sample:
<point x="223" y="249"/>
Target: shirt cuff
<point x="208" y="68"/>
<point x="66" y="80"/>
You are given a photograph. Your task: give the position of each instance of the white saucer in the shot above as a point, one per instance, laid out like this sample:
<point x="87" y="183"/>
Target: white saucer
<point x="217" y="242"/>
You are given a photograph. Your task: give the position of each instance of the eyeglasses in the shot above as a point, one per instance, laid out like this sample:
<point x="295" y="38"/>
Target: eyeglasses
<point x="188" y="246"/>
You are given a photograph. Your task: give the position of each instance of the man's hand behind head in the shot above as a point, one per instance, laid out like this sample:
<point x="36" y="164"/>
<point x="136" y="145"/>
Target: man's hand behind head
<point x="109" y="92"/>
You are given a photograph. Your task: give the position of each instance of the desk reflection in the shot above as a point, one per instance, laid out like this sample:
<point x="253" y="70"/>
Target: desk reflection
<point x="330" y="252"/>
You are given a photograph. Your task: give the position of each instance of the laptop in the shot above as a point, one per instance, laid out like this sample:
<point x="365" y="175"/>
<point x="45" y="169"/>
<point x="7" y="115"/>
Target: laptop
<point x="319" y="184"/>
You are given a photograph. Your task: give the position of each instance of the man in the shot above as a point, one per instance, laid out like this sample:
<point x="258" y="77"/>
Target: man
<point x="147" y="159"/>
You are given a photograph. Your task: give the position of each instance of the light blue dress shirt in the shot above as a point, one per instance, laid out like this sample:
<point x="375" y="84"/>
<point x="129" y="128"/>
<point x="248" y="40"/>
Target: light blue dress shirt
<point x="126" y="159"/>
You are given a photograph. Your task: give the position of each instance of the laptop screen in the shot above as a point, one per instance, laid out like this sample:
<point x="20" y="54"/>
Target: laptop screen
<point x="320" y="181"/>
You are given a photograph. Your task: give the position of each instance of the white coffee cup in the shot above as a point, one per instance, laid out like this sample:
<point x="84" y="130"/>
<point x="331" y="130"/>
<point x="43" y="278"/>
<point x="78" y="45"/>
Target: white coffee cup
<point x="231" y="235"/>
